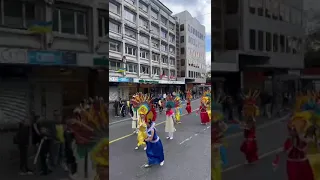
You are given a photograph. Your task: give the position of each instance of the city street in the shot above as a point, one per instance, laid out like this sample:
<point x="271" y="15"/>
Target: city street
<point x="187" y="156"/>
<point x="271" y="137"/>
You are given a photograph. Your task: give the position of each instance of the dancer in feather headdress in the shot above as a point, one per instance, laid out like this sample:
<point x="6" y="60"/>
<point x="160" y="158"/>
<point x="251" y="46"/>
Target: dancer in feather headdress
<point x="178" y="110"/>
<point x="142" y="104"/>
<point x="250" y="109"/>
<point x="218" y="149"/>
<point x="205" y="108"/>
<point x="91" y="135"/>
<point x="188" y="98"/>
<point x="171" y="102"/>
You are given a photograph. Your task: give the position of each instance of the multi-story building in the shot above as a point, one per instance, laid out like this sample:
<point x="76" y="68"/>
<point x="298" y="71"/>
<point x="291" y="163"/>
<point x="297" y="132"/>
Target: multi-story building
<point x="143" y="41"/>
<point x="192" y="49"/>
<point x="264" y="36"/>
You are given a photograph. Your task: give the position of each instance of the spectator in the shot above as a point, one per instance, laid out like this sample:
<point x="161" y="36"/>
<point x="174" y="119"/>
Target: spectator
<point x="116" y="108"/>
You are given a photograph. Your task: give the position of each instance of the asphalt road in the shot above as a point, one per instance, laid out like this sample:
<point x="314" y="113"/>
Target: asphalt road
<point x="187" y="156"/>
<point x="271" y="137"/>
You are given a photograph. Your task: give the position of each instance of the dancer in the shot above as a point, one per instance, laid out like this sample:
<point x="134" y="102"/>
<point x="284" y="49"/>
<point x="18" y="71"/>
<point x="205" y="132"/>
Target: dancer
<point x="189" y="97"/>
<point x="154" y="146"/>
<point x="142" y="103"/>
<point x="170" y="118"/>
<point x="298" y="166"/>
<point x="91" y="136"/>
<point x="249" y="146"/>
<point x="178" y="110"/>
<point x="218" y="150"/>
<point x="205" y="108"/>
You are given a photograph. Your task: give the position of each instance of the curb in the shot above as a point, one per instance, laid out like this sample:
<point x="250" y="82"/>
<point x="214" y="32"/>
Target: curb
<point x="129" y="119"/>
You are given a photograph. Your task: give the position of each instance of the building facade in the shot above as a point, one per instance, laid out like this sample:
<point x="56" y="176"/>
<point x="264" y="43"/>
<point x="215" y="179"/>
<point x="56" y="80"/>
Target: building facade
<point x="192" y="49"/>
<point x="260" y="34"/>
<point x="142" y="47"/>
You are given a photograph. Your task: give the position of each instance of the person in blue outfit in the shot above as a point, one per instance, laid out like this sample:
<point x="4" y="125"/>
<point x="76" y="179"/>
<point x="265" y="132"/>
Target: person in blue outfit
<point x="154" y="146"/>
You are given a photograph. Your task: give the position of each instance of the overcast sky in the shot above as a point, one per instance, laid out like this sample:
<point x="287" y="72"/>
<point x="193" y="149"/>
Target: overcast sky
<point x="200" y="9"/>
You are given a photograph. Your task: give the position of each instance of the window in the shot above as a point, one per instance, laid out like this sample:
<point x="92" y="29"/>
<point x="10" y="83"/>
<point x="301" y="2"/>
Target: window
<point x="154" y="14"/>
<point x="286" y="13"/>
<point x="114" y="27"/>
<point x="172" y="61"/>
<point x="294" y="44"/>
<point x="18" y="14"/>
<point x="164" y="59"/>
<point x="144" y="69"/>
<point x="182" y="39"/>
<point x="114" y="8"/>
<point x="252" y="39"/>
<point x="164" y="34"/>
<point x="154" y="29"/>
<point x="113" y="65"/>
<point x="189" y="28"/>
<point x="182" y="50"/>
<point x="155" y="57"/>
<point x="275" y="9"/>
<point x="268" y="8"/>
<point x="163" y="47"/>
<point x="252" y="6"/>
<point x="231" y="38"/>
<point x="171" y="38"/>
<point x="171" y="26"/>
<point x="268" y="41"/>
<point x="132" y="2"/>
<point x="182" y="27"/>
<point x="144" y="54"/>
<point x="275" y="43"/>
<point x="232" y="7"/>
<point x="165" y="72"/>
<point x="144" y="23"/>
<point x="69" y="21"/>
<point x="282" y="12"/>
<point x="260" y="40"/>
<point x="132" y="68"/>
<point x="172" y="73"/>
<point x="171" y="50"/>
<point x="156" y="71"/>
<point x="289" y="44"/>
<point x="130" y="16"/>
<point x="131" y="50"/>
<point x="144" y="40"/>
<point x="282" y="43"/>
<point x="260" y="7"/>
<point x="163" y="21"/>
<point x="183" y="62"/>
<point x="155" y="43"/>
<point x="114" y="46"/>
<point x="143" y="7"/>
<point x="130" y="33"/>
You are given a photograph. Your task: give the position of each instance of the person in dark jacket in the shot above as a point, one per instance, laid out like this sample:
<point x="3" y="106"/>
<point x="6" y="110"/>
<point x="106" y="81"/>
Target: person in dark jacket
<point x="116" y="108"/>
<point x="23" y="142"/>
<point x="47" y="138"/>
<point x="70" y="158"/>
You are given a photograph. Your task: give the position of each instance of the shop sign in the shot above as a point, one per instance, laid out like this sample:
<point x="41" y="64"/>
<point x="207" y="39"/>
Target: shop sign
<point x="148" y="81"/>
<point x="100" y="61"/>
<point x="16" y="56"/>
<point x="113" y="79"/>
<point x="52" y="58"/>
<point x="125" y="80"/>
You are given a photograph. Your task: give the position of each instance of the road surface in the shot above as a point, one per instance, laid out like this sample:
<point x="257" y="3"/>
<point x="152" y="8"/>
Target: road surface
<point x="271" y="137"/>
<point x="187" y="156"/>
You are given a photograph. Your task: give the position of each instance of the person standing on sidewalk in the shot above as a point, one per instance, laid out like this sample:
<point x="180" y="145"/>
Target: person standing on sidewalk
<point x="116" y="108"/>
<point x="22" y="140"/>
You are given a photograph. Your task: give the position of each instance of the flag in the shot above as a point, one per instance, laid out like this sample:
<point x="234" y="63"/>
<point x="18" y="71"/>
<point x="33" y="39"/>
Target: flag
<point x="121" y="70"/>
<point x="41" y="27"/>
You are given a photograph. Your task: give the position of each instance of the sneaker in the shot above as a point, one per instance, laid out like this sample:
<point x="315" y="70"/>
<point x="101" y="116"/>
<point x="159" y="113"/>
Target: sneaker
<point x="145" y="148"/>
<point x="162" y="163"/>
<point x="168" y="137"/>
<point x="136" y="148"/>
<point x="171" y="138"/>
<point x="146" y="165"/>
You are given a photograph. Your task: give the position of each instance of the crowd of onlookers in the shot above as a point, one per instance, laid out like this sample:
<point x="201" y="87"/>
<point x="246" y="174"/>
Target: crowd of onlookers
<point x="52" y="142"/>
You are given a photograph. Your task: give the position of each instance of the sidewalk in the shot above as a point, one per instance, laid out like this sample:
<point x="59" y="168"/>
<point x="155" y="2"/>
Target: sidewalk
<point x="114" y="120"/>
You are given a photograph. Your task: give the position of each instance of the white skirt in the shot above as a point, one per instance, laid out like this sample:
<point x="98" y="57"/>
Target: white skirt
<point x="169" y="125"/>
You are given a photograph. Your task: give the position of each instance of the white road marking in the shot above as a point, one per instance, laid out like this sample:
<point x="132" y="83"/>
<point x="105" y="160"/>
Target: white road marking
<point x="189" y="138"/>
<point x="260" y="157"/>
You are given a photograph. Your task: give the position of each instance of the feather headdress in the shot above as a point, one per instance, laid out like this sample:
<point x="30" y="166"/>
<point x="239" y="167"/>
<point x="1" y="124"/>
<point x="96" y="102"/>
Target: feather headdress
<point x="189" y="95"/>
<point x="250" y="108"/>
<point x="206" y="98"/>
<point x="173" y="102"/>
<point x="142" y="104"/>
<point x="216" y="107"/>
<point x="91" y="131"/>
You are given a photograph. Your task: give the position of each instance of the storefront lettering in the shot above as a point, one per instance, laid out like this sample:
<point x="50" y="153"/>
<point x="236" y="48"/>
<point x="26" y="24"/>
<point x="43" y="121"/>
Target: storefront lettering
<point x="13" y="56"/>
